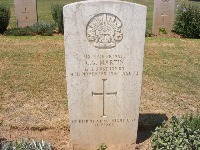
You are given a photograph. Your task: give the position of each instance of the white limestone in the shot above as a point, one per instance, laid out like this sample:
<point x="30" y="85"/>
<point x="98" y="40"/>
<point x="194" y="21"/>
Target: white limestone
<point x="163" y="15"/>
<point x="104" y="46"/>
<point x="26" y="12"/>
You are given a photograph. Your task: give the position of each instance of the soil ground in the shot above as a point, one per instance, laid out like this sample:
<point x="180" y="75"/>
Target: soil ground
<point x="60" y="139"/>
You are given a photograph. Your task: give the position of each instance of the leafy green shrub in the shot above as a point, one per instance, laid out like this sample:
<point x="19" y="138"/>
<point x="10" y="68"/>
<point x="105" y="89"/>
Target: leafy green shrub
<point x="44" y="28"/>
<point x="4" y="17"/>
<point x="181" y="134"/>
<point x="57" y="14"/>
<point x="40" y="28"/>
<point x="187" y="22"/>
<point x="27" y="31"/>
<point x="26" y="145"/>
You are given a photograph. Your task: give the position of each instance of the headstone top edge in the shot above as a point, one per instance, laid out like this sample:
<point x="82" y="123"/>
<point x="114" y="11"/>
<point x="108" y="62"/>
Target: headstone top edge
<point x="93" y="1"/>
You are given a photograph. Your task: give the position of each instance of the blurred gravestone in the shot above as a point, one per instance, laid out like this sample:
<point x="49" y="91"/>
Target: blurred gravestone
<point x="163" y="15"/>
<point x="104" y="49"/>
<point x="26" y="12"/>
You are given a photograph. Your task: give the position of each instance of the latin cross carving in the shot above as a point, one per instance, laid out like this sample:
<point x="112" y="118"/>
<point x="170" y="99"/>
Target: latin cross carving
<point x="26" y="12"/>
<point x="164" y="15"/>
<point x="104" y="96"/>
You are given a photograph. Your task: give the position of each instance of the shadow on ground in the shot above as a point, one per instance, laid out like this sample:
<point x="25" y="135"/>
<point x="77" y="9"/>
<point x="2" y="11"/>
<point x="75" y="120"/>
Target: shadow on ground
<point x="147" y="124"/>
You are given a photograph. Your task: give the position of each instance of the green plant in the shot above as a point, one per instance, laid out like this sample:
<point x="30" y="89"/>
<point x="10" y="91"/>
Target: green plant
<point x="148" y="33"/>
<point x="102" y="147"/>
<point x="187" y="22"/>
<point x="192" y="121"/>
<point x="26" y="145"/>
<point x="40" y="28"/>
<point x="57" y="14"/>
<point x="162" y="30"/>
<point x="27" y="31"/>
<point x="4" y="17"/>
<point x="181" y="134"/>
<point x="44" y="28"/>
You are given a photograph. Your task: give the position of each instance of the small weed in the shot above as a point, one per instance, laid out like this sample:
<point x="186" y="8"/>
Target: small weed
<point x="162" y="30"/>
<point x="102" y="147"/>
<point x="148" y="33"/>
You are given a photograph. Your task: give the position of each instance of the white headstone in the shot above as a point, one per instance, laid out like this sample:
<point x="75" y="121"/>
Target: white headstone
<point x="163" y="15"/>
<point x="104" y="46"/>
<point x="26" y="12"/>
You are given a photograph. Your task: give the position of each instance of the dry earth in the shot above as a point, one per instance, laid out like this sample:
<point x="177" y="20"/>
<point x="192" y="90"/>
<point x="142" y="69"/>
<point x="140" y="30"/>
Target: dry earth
<point x="60" y="139"/>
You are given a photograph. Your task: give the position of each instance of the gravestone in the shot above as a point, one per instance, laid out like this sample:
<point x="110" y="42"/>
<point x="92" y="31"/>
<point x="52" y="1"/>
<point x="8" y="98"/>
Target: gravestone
<point x="104" y="46"/>
<point x="26" y="12"/>
<point x="163" y="15"/>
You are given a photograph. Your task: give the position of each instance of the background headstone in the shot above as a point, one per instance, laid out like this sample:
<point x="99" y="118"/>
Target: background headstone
<point x="104" y="46"/>
<point x="163" y="15"/>
<point x="26" y="12"/>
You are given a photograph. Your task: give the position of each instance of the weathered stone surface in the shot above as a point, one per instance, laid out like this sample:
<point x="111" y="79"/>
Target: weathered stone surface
<point x="26" y="12"/>
<point x="104" y="46"/>
<point x="163" y="15"/>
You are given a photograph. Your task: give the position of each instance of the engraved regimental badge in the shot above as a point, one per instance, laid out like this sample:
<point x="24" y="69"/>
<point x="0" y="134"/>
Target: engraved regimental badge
<point x="104" y="31"/>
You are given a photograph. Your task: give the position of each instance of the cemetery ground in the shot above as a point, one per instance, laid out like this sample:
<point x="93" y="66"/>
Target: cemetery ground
<point x="33" y="87"/>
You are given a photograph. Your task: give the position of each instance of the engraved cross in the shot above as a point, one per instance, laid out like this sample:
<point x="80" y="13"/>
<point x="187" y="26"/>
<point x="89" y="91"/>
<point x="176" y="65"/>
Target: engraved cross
<point x="164" y="15"/>
<point x="104" y="96"/>
<point x="26" y="12"/>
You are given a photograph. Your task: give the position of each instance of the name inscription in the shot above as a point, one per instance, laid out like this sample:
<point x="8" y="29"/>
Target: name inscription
<point x="108" y="65"/>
